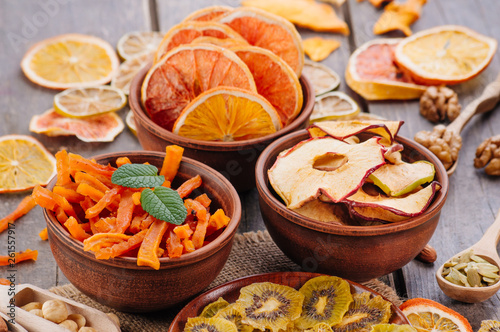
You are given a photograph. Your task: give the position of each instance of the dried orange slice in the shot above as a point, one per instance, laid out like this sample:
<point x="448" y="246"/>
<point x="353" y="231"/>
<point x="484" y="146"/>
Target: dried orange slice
<point x="208" y="14"/>
<point x="227" y="114"/>
<point x="268" y="31"/>
<point x="186" y="32"/>
<point x="429" y="316"/>
<point x="69" y="61"/>
<point x="137" y="43"/>
<point x="25" y="163"/>
<point x="128" y="70"/>
<point x="98" y="128"/>
<point x="275" y="80"/>
<point x="184" y="73"/>
<point x="372" y="73"/>
<point x="226" y="42"/>
<point x="446" y="54"/>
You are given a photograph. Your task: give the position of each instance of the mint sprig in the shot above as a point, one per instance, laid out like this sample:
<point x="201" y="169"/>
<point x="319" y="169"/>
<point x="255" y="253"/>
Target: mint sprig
<point x="162" y="203"/>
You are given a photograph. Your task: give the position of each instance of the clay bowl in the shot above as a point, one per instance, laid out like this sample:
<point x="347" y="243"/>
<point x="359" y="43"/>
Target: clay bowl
<point x="121" y="284"/>
<point x="230" y="291"/>
<point x="235" y="160"/>
<point x="357" y="253"/>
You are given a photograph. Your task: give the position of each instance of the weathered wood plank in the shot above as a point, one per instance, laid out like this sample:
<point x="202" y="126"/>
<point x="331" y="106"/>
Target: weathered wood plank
<point x="24" y="23"/>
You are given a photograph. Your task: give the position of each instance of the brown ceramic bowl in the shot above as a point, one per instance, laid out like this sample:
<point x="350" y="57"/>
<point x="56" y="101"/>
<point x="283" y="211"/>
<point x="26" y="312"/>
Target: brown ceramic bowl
<point x="235" y="160"/>
<point x="357" y="253"/>
<point x="120" y="283"/>
<point x="231" y="290"/>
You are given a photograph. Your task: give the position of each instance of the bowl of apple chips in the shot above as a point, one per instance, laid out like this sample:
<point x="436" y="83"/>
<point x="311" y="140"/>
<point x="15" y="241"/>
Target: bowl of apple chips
<point x="350" y="198"/>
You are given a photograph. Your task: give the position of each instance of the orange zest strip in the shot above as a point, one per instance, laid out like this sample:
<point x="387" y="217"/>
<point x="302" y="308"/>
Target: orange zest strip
<point x="125" y="212"/>
<point x="203" y="200"/>
<point x="148" y="251"/>
<point x="122" y="247"/>
<point x="201" y="226"/>
<point x="24" y="207"/>
<point x="44" y="235"/>
<point x="174" y="246"/>
<point x="103" y="240"/>
<point x="187" y="187"/>
<point x="19" y="257"/>
<point x="122" y="161"/>
<point x="171" y="162"/>
<point x="75" y="229"/>
<point x="108" y="198"/>
<point x="62" y="166"/>
<point x="71" y="195"/>
<point x="183" y="232"/>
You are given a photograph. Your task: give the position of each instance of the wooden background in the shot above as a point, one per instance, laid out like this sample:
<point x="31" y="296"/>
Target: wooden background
<point x="473" y="199"/>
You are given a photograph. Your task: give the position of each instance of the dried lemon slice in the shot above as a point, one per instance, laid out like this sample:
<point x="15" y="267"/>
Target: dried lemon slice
<point x="85" y="102"/>
<point x="130" y="121"/>
<point x="137" y="43"/>
<point x="334" y="105"/>
<point x="25" y="163"/>
<point x="323" y="78"/>
<point x="128" y="70"/>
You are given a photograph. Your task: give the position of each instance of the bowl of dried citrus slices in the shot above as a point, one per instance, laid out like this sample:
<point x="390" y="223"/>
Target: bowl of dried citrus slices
<point x="223" y="89"/>
<point x="366" y="201"/>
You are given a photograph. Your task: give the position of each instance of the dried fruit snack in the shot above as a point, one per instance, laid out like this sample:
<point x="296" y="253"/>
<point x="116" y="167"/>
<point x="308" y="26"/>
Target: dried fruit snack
<point x="208" y="13"/>
<point x="138" y="43"/>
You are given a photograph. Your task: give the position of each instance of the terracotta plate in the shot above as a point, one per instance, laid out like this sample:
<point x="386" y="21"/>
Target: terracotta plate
<point x="230" y="291"/>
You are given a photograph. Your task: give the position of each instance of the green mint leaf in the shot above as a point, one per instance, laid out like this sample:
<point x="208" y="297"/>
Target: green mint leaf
<point x="137" y="176"/>
<point x="165" y="204"/>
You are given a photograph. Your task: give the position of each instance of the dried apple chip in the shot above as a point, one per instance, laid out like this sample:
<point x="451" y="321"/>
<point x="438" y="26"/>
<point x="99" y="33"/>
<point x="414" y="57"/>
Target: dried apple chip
<point x="344" y="129"/>
<point x="324" y="212"/>
<point x="332" y="167"/>
<point x="397" y="16"/>
<point x="318" y="48"/>
<point x="303" y="13"/>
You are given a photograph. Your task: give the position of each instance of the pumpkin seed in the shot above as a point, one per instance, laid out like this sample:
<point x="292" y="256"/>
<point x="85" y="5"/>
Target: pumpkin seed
<point x="470" y="270"/>
<point x="473" y="278"/>
<point x="478" y="259"/>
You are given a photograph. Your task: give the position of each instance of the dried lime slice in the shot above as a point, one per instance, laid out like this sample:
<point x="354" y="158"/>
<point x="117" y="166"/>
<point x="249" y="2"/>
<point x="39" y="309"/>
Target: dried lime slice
<point x="137" y="43"/>
<point x="323" y="78"/>
<point x="334" y="105"/>
<point x="130" y="121"/>
<point x="85" y="102"/>
<point x="128" y="70"/>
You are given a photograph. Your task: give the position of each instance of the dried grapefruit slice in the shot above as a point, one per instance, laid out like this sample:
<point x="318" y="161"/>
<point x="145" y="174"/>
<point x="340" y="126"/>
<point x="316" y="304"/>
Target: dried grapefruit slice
<point x="208" y="14"/>
<point x="227" y="114"/>
<point x="226" y="42"/>
<point x="427" y="315"/>
<point x="373" y="74"/>
<point x="184" y="73"/>
<point x="25" y="163"/>
<point x="268" y="31"/>
<point x="128" y="70"/>
<point x="446" y="54"/>
<point x="275" y="80"/>
<point x="137" y="43"/>
<point x="98" y="128"/>
<point x="70" y="60"/>
<point x="186" y="32"/>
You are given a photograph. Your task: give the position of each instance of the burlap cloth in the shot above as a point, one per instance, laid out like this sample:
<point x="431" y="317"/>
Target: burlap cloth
<point x="252" y="253"/>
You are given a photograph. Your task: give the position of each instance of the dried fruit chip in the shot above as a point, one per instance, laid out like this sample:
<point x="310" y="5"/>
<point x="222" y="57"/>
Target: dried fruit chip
<point x="303" y="13"/>
<point x="213" y="308"/>
<point x="232" y="313"/>
<point x="324" y="212"/>
<point x="399" y="16"/>
<point x="130" y="121"/>
<point x="128" y="70"/>
<point x="209" y="324"/>
<point x="334" y="105"/>
<point x="98" y="128"/>
<point x="322" y="77"/>
<point x="318" y="48"/>
<point x="332" y="167"/>
<point x="137" y="43"/>
<point x="226" y="42"/>
<point x="208" y="13"/>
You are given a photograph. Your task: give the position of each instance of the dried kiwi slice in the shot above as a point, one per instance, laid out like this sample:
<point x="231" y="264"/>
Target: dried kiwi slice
<point x="490" y="326"/>
<point x="212" y="308"/>
<point x="321" y="327"/>
<point x="393" y="328"/>
<point x="203" y="324"/>
<point x="232" y="313"/>
<point x="326" y="300"/>
<point x="364" y="312"/>
<point x="269" y="306"/>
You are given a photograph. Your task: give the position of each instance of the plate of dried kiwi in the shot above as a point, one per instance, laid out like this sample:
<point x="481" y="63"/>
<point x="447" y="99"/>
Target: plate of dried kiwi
<point x="290" y="302"/>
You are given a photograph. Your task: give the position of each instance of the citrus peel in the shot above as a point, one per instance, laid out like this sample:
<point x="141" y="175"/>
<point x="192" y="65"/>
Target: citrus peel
<point x="318" y="48"/>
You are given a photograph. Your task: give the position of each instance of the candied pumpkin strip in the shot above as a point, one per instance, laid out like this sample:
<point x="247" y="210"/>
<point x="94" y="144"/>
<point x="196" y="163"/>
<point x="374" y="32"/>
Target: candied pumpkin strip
<point x="95" y="194"/>
<point x="44" y="234"/>
<point x="188" y="245"/>
<point x="81" y="177"/>
<point x="136" y="198"/>
<point x="22" y="208"/>
<point x="103" y="240"/>
<point x="171" y="162"/>
<point x="183" y="231"/>
<point x="147" y="255"/>
<point x="79" y="163"/>
<point x="174" y="246"/>
<point x="75" y="229"/>
<point x="60" y="215"/>
<point x="188" y="186"/>
<point x="106" y="200"/>
<point x="105" y="225"/>
<point x="147" y="222"/>
<point x="203" y="200"/>
<point x="217" y="221"/>
<point x="122" y="247"/>
<point x="135" y="224"/>
<point x="49" y="200"/>
<point x="122" y="161"/>
<point x="125" y="212"/>
<point x="202" y="216"/>
<point x="70" y="194"/>
<point x="62" y="167"/>
<point x="19" y="257"/>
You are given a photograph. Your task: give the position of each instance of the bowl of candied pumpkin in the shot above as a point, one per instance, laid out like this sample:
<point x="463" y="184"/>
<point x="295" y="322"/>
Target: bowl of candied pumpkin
<point x="350" y="198"/>
<point x="139" y="231"/>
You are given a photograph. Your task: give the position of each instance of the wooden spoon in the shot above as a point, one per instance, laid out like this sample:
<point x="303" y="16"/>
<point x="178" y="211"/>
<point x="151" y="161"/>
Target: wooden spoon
<point x="486" y="102"/>
<point x="26" y="293"/>
<point x="486" y="248"/>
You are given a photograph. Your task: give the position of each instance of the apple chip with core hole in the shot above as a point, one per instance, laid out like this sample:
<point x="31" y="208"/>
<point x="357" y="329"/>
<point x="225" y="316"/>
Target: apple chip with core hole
<point x="325" y="212"/>
<point x="401" y="178"/>
<point x="385" y="208"/>
<point x="329" y="166"/>
<point x="343" y="129"/>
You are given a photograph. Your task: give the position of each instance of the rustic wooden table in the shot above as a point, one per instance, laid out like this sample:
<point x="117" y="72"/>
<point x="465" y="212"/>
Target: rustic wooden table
<point x="473" y="198"/>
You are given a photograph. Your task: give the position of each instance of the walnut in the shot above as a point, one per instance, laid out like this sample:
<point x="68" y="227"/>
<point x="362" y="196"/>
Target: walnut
<point x="439" y="103"/>
<point x="445" y="144"/>
<point x="488" y="154"/>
